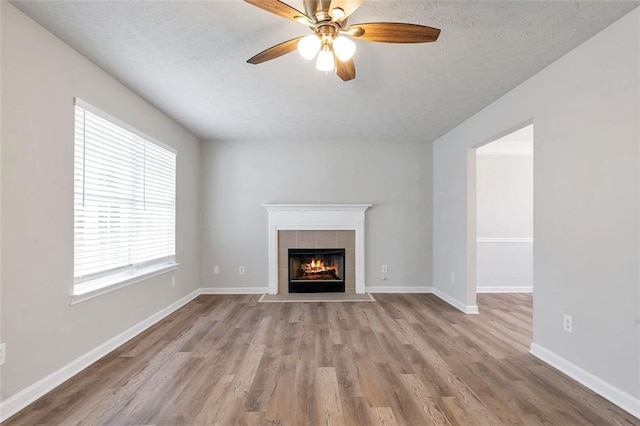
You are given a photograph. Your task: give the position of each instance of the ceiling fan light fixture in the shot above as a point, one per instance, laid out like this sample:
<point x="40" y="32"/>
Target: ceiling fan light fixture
<point x="328" y="20"/>
<point x="325" y="61"/>
<point x="344" y="48"/>
<point x="309" y="46"/>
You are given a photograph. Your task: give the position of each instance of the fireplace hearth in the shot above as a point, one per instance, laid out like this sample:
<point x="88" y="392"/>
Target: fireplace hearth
<point x="316" y="270"/>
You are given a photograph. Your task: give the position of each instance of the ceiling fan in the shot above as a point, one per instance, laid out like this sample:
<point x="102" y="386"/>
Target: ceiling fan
<point x="330" y="42"/>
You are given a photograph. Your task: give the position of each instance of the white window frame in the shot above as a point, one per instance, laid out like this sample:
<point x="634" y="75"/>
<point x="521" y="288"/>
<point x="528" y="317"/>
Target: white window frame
<point x="102" y="284"/>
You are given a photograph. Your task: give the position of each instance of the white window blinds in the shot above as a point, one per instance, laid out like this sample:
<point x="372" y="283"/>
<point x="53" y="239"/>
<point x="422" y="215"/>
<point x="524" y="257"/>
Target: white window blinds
<point x="124" y="199"/>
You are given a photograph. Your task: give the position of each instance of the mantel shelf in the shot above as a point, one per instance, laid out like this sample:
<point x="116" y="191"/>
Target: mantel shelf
<point x="316" y="207"/>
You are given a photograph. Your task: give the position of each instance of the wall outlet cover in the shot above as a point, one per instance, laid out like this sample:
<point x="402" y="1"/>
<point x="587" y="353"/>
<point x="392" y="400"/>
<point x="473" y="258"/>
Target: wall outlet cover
<point x="3" y="353"/>
<point x="568" y="323"/>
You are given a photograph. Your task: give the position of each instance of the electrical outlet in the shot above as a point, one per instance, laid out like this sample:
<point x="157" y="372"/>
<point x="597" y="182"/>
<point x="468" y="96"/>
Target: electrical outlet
<point x="453" y="277"/>
<point x="241" y="270"/>
<point x="173" y="281"/>
<point x="3" y="353"/>
<point x="384" y="269"/>
<point x="568" y="323"/>
<point x="216" y="270"/>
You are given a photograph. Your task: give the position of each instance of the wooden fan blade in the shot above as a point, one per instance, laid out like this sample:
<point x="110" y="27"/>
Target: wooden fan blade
<point x="394" y="32"/>
<point x="348" y="6"/>
<point x="281" y="9"/>
<point x="346" y="70"/>
<point x="275" y="51"/>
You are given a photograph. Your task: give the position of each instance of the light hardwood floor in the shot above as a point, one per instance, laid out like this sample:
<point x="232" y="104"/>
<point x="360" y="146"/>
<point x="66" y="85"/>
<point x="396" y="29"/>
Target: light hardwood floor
<point x="406" y="359"/>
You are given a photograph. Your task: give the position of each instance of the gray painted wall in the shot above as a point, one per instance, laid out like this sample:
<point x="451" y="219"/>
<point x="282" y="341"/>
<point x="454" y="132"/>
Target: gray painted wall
<point x="40" y="77"/>
<point x="394" y="176"/>
<point x="586" y="112"/>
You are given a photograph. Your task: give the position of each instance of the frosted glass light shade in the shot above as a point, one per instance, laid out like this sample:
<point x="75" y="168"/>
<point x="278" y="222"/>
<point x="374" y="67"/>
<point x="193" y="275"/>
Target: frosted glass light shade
<point x="337" y="13"/>
<point x="309" y="46"/>
<point x="344" y="48"/>
<point x="325" y="61"/>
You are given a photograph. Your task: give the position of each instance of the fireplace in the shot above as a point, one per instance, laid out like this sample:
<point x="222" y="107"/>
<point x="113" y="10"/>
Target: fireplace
<point x="316" y="270"/>
<point x="287" y="220"/>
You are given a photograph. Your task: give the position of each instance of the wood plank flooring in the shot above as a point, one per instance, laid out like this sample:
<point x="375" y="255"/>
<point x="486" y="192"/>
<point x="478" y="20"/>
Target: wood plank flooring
<point x="407" y="359"/>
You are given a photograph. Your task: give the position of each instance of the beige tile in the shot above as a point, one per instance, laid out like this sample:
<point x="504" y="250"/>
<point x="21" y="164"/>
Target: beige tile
<point x="286" y="239"/>
<point x="350" y="258"/>
<point x="306" y="239"/>
<point x="350" y="278"/>
<point x="326" y="239"/>
<point x="283" y="258"/>
<point x="283" y="281"/>
<point x="346" y="239"/>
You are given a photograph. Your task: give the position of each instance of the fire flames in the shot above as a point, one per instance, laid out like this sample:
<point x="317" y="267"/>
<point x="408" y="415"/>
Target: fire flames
<point x="317" y="269"/>
<point x="317" y="265"/>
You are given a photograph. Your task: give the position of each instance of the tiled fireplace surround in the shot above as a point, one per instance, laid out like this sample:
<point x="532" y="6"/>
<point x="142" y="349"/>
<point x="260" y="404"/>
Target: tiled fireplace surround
<point x="316" y="226"/>
<point x="316" y="239"/>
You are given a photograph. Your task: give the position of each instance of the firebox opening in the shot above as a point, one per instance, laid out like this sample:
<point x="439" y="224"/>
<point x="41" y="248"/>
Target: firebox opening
<point x="316" y="270"/>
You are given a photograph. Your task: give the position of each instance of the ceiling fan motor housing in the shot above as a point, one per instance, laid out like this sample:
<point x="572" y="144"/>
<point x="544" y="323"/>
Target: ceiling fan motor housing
<point x="326" y="30"/>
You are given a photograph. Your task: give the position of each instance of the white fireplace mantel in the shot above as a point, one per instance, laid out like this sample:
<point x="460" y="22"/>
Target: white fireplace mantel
<point x="316" y="217"/>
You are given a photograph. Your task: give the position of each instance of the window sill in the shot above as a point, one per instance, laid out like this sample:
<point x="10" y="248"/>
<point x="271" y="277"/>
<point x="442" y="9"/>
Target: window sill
<point x="90" y="289"/>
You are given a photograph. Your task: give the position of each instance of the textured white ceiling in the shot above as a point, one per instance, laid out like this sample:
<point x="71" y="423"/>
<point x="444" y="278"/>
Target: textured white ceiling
<point x="188" y="59"/>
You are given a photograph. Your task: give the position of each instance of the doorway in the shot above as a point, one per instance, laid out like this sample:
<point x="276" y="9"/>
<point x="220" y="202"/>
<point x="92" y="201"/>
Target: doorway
<point x="504" y="214"/>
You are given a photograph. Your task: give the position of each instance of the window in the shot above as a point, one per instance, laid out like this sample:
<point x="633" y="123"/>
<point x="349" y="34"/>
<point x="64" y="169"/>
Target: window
<point x="124" y="215"/>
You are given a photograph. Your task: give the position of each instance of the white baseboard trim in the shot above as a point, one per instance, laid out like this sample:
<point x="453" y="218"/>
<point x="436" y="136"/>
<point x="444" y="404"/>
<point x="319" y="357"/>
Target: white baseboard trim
<point x="391" y="289"/>
<point x="467" y="309"/>
<point x="613" y="394"/>
<point x="234" y="290"/>
<point x="20" y="400"/>
<point x="505" y="289"/>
